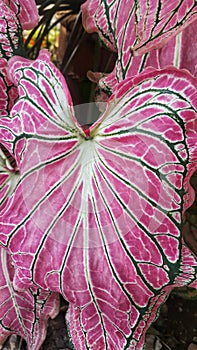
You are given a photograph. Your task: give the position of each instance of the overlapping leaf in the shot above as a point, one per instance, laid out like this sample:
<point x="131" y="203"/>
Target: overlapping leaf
<point x="28" y="13"/>
<point x="100" y="210"/>
<point x="10" y="40"/>
<point x="138" y="26"/>
<point x="180" y="52"/>
<point x="23" y="313"/>
<point x="13" y="14"/>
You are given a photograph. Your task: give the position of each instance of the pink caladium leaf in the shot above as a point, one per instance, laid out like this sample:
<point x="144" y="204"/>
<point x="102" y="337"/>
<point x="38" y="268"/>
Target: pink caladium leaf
<point x="158" y="21"/>
<point x="138" y="26"/>
<point x="115" y="22"/>
<point x="13" y="14"/>
<point x="23" y="313"/>
<point x="180" y="52"/>
<point x="10" y="29"/>
<point x="80" y="320"/>
<point x="10" y="42"/>
<point x="8" y="92"/>
<point x="101" y="210"/>
<point x="28" y="13"/>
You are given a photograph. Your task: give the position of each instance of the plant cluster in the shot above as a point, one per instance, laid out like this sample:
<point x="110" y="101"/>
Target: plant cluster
<point x="96" y="214"/>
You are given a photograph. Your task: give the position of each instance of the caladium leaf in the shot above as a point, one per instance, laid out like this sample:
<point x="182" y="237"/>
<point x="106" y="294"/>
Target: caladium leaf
<point x="100" y="210"/>
<point x="10" y="41"/>
<point x="180" y="52"/>
<point x="10" y="30"/>
<point x="28" y="13"/>
<point x="117" y="23"/>
<point x="157" y="22"/>
<point x="137" y="25"/>
<point x="23" y="313"/>
<point x="13" y="14"/>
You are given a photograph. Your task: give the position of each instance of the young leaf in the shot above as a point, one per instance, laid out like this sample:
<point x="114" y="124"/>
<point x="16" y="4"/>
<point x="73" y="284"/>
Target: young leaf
<point x="24" y="313"/>
<point x="109" y="200"/>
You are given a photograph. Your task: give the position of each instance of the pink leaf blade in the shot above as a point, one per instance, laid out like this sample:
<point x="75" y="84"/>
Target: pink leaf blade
<point x="100" y="12"/>
<point x="42" y="92"/>
<point x="10" y="29"/>
<point x="179" y="52"/>
<point x="10" y="40"/>
<point x="143" y="30"/>
<point x="154" y="23"/>
<point x="28" y="15"/>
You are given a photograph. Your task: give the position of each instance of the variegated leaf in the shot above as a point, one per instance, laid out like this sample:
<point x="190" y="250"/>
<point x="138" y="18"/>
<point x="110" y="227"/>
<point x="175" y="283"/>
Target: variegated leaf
<point x="80" y="319"/>
<point x="27" y="14"/>
<point x="12" y="15"/>
<point x="180" y="51"/>
<point x="137" y="25"/>
<point x="10" y="29"/>
<point x="8" y="92"/>
<point x="100" y="210"/>
<point x="158" y="21"/>
<point x="23" y="313"/>
<point x="115" y="22"/>
<point x="10" y="41"/>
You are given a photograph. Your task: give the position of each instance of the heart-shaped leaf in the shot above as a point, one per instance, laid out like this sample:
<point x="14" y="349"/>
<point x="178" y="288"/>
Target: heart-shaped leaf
<point x="100" y="210"/>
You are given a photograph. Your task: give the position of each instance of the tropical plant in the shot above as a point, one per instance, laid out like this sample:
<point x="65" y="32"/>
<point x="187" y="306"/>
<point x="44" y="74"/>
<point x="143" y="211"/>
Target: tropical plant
<point x="96" y="214"/>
